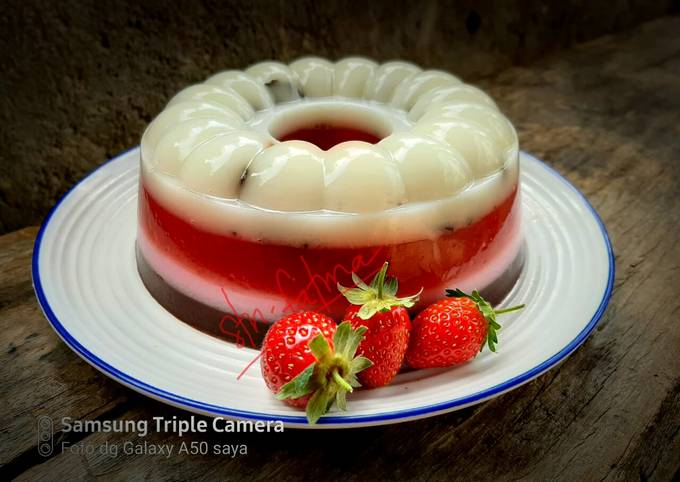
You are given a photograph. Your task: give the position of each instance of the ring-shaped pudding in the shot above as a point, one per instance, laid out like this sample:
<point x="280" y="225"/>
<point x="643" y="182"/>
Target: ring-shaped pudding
<point x="262" y="189"/>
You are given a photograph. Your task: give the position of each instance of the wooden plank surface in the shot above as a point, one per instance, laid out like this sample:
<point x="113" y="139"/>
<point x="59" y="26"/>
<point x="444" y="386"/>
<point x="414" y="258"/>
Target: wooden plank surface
<point x="605" y="115"/>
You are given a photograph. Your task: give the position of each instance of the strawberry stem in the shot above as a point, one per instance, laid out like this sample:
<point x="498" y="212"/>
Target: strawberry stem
<point x="509" y="310"/>
<point x="380" y="279"/>
<point x="341" y="381"/>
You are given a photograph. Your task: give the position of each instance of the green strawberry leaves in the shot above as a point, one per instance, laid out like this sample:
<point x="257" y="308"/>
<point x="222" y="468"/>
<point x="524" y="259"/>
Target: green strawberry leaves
<point x="320" y="348"/>
<point x="360" y="363"/>
<point x="341" y="400"/>
<point x="359" y="282"/>
<point x="318" y="405"/>
<point x="391" y="287"/>
<point x="379" y="296"/>
<point x="487" y="312"/>
<point x="299" y="386"/>
<point x="332" y="375"/>
<point x="346" y="340"/>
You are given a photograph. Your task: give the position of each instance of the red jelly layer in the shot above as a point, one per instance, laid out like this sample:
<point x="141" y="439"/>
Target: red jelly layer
<point x="326" y="136"/>
<point x="305" y="275"/>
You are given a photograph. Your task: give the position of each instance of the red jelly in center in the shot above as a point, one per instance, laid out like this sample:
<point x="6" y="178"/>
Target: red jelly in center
<point x="326" y="136"/>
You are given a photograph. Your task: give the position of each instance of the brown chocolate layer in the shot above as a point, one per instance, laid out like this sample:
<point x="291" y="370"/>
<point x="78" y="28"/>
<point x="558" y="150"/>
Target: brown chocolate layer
<point x="218" y="323"/>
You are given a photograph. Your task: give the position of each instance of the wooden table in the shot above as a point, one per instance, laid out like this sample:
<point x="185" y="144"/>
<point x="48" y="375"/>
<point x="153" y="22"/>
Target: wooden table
<point x="607" y="116"/>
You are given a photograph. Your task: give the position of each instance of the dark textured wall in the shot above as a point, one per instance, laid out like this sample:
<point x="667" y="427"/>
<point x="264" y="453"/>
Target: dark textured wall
<point x="80" y="79"/>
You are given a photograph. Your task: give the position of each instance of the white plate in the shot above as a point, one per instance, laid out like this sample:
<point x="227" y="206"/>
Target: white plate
<point x="86" y="281"/>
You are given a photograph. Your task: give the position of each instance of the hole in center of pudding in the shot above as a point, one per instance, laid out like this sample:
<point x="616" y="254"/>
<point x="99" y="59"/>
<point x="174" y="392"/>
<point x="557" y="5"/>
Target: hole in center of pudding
<point x="329" y="123"/>
<point x="325" y="136"/>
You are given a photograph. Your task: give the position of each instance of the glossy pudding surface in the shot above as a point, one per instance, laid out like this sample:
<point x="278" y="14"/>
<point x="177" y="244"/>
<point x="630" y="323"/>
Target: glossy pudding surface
<point x="261" y="190"/>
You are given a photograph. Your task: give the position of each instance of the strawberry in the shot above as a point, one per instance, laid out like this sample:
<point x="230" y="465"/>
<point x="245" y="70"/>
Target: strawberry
<point x="308" y="361"/>
<point x="386" y="318"/>
<point x="453" y="330"/>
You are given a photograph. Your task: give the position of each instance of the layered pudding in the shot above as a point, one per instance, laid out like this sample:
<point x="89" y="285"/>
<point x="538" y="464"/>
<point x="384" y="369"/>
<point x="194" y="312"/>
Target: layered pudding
<point x="262" y="189"/>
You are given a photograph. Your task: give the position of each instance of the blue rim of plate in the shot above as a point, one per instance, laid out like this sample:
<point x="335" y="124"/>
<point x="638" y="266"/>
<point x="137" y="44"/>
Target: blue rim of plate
<point x="405" y="414"/>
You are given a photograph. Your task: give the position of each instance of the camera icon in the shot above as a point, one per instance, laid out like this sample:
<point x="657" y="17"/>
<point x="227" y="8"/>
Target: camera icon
<point x="45" y="436"/>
